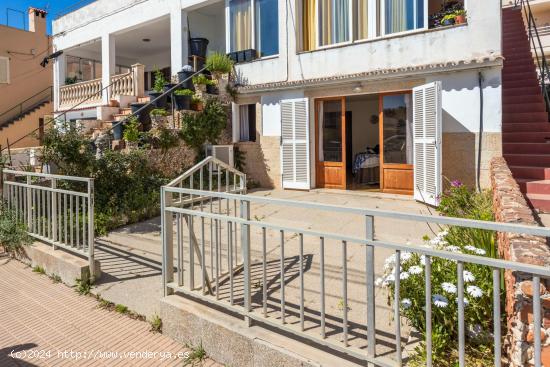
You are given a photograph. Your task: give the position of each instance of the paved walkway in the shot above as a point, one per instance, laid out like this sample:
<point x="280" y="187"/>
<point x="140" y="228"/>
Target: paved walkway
<point x="43" y="323"/>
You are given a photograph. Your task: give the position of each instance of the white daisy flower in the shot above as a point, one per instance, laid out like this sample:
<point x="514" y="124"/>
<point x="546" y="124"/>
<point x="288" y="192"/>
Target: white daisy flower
<point x="415" y="270"/>
<point x="453" y="248"/>
<point x="480" y="251"/>
<point x="404" y="275"/>
<point x="379" y="282"/>
<point x="474" y="291"/>
<point x="449" y="287"/>
<point x="443" y="234"/>
<point x="468" y="276"/>
<point x="466" y="302"/>
<point x="406" y="303"/>
<point x="390" y="278"/>
<point x="440" y="301"/>
<point x="470" y="248"/>
<point x="405" y="256"/>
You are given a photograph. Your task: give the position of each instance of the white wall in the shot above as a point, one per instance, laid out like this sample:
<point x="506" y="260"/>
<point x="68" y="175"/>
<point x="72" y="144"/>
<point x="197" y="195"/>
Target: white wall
<point x="209" y="26"/>
<point x="271" y="110"/>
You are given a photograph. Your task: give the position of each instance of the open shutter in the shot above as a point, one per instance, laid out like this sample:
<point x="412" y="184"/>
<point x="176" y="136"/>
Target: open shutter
<point x="427" y="126"/>
<point x="295" y="143"/>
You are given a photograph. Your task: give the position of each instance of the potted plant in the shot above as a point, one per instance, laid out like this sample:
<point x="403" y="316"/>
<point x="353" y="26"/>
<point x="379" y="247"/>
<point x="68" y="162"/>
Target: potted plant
<point x="196" y="103"/>
<point x="460" y="16"/>
<point x="448" y="19"/>
<point x="159" y="118"/>
<point x="220" y="65"/>
<point x="198" y="46"/>
<point x="182" y="99"/>
<point x="131" y="133"/>
<point x="158" y="89"/>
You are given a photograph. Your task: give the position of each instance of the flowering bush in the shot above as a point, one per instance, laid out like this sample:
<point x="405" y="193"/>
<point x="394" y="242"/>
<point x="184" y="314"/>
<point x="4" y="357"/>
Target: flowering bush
<point x="459" y="201"/>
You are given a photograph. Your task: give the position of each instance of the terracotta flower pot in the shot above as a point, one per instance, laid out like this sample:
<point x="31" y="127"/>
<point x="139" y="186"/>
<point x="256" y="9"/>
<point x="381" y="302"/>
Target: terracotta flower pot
<point x="460" y="19"/>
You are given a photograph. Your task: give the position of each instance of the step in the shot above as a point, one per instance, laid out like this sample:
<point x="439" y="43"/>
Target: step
<point x="519" y="68"/>
<point x="539" y="202"/>
<point x="534" y="187"/>
<point x="530" y="172"/>
<point x="524" y="117"/>
<point x="525" y="137"/>
<point x="530" y="98"/>
<point x="516" y="48"/>
<point x="526" y="148"/>
<point x="522" y="75"/>
<point x="523" y="107"/>
<point x="125" y="111"/>
<point x="143" y="99"/>
<point x="520" y="83"/>
<point x="520" y="127"/>
<point x="521" y="91"/>
<point x="515" y="61"/>
<point x="533" y="160"/>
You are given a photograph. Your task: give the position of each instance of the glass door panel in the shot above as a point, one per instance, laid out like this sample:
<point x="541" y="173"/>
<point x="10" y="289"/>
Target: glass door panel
<point x="330" y="131"/>
<point x="397" y="110"/>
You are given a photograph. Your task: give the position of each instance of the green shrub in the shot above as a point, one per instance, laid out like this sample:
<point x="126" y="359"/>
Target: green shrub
<point x="13" y="233"/>
<point x="121" y="308"/>
<point x="461" y="202"/>
<point x="201" y="79"/>
<point x="160" y="81"/>
<point x="205" y="126"/>
<point x="219" y="63"/>
<point x="131" y="130"/>
<point x="156" y="324"/>
<point x="184" y="92"/>
<point x="159" y="112"/>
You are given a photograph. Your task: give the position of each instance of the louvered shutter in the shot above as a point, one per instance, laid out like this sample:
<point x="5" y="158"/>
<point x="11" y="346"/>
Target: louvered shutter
<point x="295" y="143"/>
<point x="427" y="127"/>
<point x="4" y="70"/>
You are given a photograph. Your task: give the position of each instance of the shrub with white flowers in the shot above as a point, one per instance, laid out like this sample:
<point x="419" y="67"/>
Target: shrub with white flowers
<point x="477" y="293"/>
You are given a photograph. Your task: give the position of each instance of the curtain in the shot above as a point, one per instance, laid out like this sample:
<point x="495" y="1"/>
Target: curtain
<point x="334" y="21"/>
<point x="308" y="23"/>
<point x="326" y="14"/>
<point x="244" y="123"/>
<point x="321" y="115"/>
<point x="396" y="16"/>
<point x="362" y="19"/>
<point x="241" y="25"/>
<point x="409" y="128"/>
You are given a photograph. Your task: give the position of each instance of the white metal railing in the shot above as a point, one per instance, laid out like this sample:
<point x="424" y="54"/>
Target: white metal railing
<point x="75" y="93"/>
<point x="252" y="266"/>
<point x="58" y="210"/>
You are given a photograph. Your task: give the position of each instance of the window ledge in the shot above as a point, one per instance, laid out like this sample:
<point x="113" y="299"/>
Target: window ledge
<point x="271" y="57"/>
<point x="383" y="38"/>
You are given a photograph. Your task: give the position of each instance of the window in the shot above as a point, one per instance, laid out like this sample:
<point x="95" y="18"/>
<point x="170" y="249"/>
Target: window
<point x="247" y="122"/>
<point x="267" y="27"/>
<point x="4" y="70"/>
<point x="362" y="24"/>
<point x="334" y="21"/>
<point x="403" y="15"/>
<point x="258" y="31"/>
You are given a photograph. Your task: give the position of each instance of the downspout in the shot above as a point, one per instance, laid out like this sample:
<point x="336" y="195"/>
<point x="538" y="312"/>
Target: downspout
<point x="480" y="138"/>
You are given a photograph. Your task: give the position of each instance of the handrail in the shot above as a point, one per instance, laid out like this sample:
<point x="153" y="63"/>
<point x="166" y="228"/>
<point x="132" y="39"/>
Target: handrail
<point x="19" y="106"/>
<point x="534" y="40"/>
<point x="203" y="163"/>
<point x="64" y="114"/>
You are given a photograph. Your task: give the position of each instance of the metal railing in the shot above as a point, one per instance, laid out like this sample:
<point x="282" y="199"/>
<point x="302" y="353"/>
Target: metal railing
<point x="19" y="110"/>
<point x="258" y="269"/>
<point x="58" y="210"/>
<point x="537" y="46"/>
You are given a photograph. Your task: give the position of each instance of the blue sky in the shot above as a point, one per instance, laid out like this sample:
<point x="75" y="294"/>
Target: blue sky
<point x="15" y="18"/>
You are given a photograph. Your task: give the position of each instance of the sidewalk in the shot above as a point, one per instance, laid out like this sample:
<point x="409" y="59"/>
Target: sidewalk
<point x="42" y="320"/>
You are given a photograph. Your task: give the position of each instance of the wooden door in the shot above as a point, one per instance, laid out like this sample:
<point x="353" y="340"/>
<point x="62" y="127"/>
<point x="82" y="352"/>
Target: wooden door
<point x="330" y="142"/>
<point x="396" y="143"/>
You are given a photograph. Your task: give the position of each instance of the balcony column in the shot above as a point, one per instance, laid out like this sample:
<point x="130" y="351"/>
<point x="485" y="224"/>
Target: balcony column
<point x="108" y="64"/>
<point x="178" y="38"/>
<point x="59" y="74"/>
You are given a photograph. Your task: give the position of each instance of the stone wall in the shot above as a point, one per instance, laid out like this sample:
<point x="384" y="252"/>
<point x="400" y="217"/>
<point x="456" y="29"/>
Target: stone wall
<point x="510" y="207"/>
<point x="262" y="162"/>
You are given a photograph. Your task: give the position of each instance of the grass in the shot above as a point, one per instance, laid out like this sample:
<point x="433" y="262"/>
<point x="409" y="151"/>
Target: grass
<point x="121" y="309"/>
<point x="38" y="269"/>
<point x="55" y="278"/>
<point x="476" y="356"/>
<point x="196" y="356"/>
<point x="156" y="324"/>
<point x="83" y="287"/>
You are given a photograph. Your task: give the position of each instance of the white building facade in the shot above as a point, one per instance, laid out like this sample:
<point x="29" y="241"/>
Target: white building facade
<point x="342" y="94"/>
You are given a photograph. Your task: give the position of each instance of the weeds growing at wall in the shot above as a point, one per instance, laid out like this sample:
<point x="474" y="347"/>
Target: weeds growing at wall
<point x="13" y="233"/>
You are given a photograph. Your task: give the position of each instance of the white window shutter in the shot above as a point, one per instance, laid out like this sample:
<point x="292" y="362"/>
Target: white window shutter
<point x="427" y="126"/>
<point x="4" y="70"/>
<point x="295" y="143"/>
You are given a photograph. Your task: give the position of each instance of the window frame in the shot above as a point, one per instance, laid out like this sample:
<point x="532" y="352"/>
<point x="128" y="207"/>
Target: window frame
<point x="253" y="27"/>
<point x="8" y="67"/>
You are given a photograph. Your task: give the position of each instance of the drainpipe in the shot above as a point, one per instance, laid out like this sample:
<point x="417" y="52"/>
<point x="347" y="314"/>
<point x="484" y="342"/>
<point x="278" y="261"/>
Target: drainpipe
<point x="480" y="138"/>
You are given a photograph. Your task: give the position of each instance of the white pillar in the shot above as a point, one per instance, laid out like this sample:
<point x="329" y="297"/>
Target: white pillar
<point x="59" y="71"/>
<point x="235" y="122"/>
<point x="108" y="64"/>
<point x="178" y="39"/>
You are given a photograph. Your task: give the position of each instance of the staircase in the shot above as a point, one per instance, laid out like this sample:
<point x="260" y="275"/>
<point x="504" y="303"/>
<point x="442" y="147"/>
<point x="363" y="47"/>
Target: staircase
<point x="525" y="120"/>
<point x="24" y="115"/>
<point x="24" y="131"/>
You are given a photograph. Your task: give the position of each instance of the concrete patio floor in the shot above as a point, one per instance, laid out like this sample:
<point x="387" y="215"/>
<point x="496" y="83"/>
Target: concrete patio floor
<point x="131" y="263"/>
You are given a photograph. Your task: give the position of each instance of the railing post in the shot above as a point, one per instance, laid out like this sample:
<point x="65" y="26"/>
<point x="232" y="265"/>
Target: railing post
<point x="91" y="230"/>
<point x="371" y="308"/>
<point x="245" y="245"/>
<point x="54" y="210"/>
<point x="29" y="204"/>
<point x="167" y="226"/>
<point x="138" y="78"/>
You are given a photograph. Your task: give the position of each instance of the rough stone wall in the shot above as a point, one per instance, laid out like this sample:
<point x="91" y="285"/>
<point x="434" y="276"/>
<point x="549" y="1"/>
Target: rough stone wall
<point x="510" y="207"/>
<point x="262" y="159"/>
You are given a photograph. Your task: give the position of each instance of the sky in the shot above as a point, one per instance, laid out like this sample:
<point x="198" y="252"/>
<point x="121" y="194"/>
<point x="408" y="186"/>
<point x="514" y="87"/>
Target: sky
<point x="16" y="19"/>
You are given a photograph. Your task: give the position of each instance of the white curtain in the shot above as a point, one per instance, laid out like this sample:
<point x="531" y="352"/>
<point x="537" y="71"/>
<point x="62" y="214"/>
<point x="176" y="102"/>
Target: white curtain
<point x="362" y="19"/>
<point x="409" y="128"/>
<point x="334" y="21"/>
<point x="244" y="123"/>
<point x="240" y="25"/>
<point x="396" y="16"/>
<point x="321" y="116"/>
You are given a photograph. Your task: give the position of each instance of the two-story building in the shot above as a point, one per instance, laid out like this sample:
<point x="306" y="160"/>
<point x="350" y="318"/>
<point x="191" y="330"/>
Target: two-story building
<point x="345" y="94"/>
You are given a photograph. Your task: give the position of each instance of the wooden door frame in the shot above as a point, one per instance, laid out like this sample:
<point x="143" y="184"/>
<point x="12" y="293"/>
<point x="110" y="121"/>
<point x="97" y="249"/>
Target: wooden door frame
<point x="381" y="143"/>
<point x="344" y="142"/>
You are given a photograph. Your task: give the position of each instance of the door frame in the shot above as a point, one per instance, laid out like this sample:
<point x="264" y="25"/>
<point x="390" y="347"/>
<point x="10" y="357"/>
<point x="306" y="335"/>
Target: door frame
<point x="396" y="166"/>
<point x="319" y="166"/>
